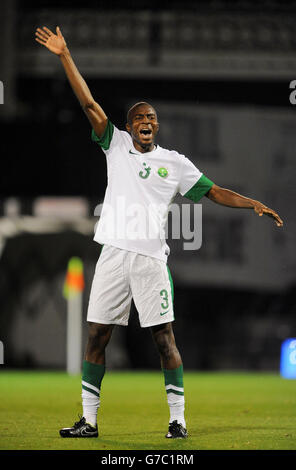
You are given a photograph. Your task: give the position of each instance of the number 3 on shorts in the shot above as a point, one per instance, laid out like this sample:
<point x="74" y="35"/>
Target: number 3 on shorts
<point x="165" y="298"/>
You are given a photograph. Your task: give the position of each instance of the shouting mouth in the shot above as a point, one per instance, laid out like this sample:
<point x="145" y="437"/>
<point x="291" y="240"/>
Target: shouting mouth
<point x="146" y="132"/>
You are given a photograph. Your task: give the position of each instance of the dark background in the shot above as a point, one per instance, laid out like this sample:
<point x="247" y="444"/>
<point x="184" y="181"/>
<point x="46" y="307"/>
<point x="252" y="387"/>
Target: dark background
<point x="46" y="150"/>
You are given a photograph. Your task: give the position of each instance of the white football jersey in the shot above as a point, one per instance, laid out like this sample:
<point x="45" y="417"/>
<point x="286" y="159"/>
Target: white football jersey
<point x="140" y="190"/>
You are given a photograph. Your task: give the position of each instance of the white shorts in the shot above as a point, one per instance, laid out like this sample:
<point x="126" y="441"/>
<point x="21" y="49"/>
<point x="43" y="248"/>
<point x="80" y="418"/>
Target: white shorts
<point x="121" y="276"/>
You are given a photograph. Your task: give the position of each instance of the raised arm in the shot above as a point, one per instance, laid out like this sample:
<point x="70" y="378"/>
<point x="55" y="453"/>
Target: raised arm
<point x="57" y="44"/>
<point x="229" y="198"/>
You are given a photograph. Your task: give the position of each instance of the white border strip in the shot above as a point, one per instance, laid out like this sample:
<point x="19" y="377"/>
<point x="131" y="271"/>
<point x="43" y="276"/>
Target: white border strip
<point x="173" y="387"/>
<point x="96" y="389"/>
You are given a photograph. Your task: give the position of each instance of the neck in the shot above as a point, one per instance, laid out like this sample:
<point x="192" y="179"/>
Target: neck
<point x="144" y="147"/>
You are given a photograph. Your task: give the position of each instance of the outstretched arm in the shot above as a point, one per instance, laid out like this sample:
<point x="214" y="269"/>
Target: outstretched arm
<point x="229" y="198"/>
<point x="57" y="44"/>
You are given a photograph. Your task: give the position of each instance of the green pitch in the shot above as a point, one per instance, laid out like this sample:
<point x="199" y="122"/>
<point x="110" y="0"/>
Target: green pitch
<point x="223" y="411"/>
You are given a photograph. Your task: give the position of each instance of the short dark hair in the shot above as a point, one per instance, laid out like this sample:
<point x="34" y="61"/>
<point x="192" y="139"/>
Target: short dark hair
<point x="130" y="111"/>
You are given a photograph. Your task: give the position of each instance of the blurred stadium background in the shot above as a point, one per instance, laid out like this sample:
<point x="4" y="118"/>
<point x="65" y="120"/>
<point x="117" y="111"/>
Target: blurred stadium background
<point x="218" y="72"/>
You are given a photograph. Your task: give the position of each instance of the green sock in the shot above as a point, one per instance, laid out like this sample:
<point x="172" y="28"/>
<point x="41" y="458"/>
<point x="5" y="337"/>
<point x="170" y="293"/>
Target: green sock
<point x="173" y="379"/>
<point x="92" y="376"/>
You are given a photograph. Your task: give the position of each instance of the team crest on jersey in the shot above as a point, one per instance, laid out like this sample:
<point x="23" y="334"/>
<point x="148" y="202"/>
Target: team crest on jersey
<point x="163" y="172"/>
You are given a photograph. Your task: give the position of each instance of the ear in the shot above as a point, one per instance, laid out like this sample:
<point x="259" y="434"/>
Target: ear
<point x="128" y="127"/>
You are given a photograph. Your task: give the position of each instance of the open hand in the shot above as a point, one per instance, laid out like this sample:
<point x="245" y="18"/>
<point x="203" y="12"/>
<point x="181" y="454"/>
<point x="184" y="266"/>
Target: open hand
<point x="54" y="42"/>
<point x="260" y="209"/>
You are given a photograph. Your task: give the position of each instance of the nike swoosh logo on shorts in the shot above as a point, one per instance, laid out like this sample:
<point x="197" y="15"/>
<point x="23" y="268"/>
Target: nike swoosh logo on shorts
<point x="163" y="313"/>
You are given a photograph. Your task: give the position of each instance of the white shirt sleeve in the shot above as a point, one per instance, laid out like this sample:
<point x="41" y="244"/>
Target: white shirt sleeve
<point x="193" y="183"/>
<point x="189" y="175"/>
<point x="111" y="137"/>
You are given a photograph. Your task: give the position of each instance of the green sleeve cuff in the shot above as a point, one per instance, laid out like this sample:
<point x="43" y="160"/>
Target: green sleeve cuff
<point x="105" y="140"/>
<point x="201" y="187"/>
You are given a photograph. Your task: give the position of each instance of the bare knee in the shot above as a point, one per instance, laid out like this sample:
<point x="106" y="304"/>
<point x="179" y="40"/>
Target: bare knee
<point x="98" y="338"/>
<point x="98" y="331"/>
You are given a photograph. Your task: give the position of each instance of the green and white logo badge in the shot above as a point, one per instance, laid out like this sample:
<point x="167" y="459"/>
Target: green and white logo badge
<point x="163" y="172"/>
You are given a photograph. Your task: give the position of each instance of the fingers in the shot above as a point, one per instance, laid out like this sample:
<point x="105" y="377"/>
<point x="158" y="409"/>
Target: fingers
<point x="260" y="210"/>
<point x="276" y="218"/>
<point x="59" y="32"/>
<point x="274" y="215"/>
<point x="41" y="42"/>
<point x="43" y="34"/>
<point x="50" y="33"/>
<point x="278" y="221"/>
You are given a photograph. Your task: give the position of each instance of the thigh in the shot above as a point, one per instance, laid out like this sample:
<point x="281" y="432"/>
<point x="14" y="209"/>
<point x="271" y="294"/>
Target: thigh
<point x="152" y="290"/>
<point x="110" y="296"/>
